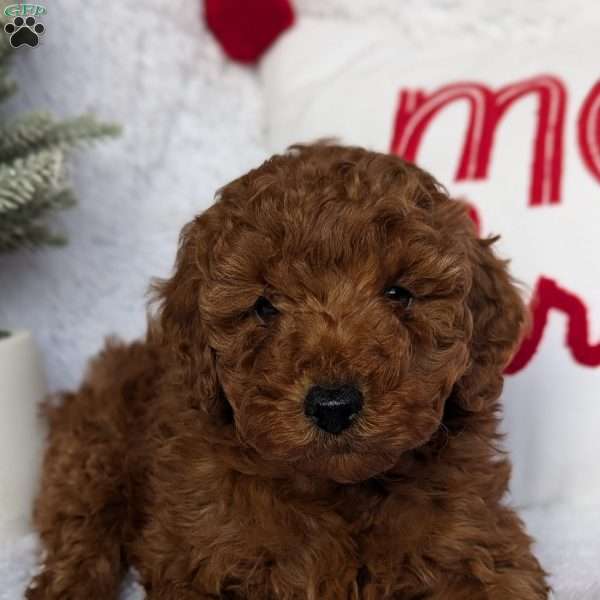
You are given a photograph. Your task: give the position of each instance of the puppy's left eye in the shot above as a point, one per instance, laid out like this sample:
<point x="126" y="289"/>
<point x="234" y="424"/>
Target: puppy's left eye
<point x="399" y="295"/>
<point x="264" y="309"/>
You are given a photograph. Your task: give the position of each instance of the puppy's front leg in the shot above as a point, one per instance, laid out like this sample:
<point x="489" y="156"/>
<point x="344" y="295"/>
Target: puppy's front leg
<point x="514" y="586"/>
<point x="496" y="566"/>
<point x="470" y="550"/>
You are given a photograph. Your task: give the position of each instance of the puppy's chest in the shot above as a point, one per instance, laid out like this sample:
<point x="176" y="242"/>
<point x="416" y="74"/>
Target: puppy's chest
<point x="330" y="545"/>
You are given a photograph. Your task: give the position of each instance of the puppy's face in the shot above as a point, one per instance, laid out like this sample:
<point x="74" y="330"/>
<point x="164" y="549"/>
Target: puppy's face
<point x="334" y="301"/>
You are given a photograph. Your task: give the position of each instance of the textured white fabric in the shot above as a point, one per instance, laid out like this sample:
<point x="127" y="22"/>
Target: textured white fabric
<point x="191" y="123"/>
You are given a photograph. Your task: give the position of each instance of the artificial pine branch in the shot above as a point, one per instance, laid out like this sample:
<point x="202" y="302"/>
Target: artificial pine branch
<point x="39" y="130"/>
<point x="24" y="225"/>
<point x="24" y="133"/>
<point x="33" y="152"/>
<point x="28" y="177"/>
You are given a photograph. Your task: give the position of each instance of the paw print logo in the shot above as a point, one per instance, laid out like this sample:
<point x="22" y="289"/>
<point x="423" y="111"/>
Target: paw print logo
<point x="24" y="31"/>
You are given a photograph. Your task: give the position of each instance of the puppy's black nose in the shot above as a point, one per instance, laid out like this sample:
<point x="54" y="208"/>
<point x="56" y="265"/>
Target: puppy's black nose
<point x="333" y="408"/>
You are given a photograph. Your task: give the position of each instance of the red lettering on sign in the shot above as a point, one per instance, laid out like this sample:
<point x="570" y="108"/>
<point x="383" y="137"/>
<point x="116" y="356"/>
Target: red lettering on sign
<point x="416" y="109"/>
<point x="549" y="295"/>
<point x="588" y="129"/>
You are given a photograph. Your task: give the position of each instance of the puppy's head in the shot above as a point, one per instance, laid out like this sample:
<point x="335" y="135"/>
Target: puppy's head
<point x="333" y="300"/>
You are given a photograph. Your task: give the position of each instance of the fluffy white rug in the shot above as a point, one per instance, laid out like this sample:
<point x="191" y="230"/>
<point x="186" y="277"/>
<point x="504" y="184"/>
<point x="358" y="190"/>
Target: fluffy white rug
<point x="192" y="122"/>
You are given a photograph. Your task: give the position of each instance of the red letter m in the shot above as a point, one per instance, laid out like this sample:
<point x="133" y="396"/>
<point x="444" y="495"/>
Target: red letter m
<point x="416" y="109"/>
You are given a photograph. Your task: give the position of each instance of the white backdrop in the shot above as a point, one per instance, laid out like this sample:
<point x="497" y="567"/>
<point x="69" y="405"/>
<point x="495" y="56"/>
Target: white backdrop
<point x="192" y="122"/>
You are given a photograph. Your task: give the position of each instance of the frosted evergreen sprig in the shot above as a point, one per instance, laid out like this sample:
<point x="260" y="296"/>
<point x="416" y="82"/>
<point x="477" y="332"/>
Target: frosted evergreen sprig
<point x="25" y="178"/>
<point x="40" y="130"/>
<point x="33" y="152"/>
<point x="26" y="226"/>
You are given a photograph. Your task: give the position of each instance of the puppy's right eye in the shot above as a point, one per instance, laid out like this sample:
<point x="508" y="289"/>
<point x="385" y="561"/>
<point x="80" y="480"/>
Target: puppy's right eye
<point x="264" y="309"/>
<point x="399" y="295"/>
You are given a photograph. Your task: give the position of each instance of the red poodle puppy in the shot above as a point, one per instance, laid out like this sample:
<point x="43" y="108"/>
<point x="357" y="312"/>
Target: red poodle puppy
<point x="313" y="413"/>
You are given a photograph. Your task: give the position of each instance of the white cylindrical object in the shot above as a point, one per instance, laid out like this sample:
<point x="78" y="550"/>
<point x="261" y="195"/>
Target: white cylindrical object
<point x="22" y="433"/>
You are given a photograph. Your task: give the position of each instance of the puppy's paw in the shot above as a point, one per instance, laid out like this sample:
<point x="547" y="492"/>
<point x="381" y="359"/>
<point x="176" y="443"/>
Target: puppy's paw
<point x="59" y="585"/>
<point x="40" y="588"/>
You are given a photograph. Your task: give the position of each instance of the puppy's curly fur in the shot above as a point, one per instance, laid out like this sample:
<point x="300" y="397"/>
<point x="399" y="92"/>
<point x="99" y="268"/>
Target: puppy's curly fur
<point x="189" y="455"/>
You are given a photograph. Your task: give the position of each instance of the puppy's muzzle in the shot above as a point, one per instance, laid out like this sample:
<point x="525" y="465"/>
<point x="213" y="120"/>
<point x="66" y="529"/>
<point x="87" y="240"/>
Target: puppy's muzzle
<point x="333" y="408"/>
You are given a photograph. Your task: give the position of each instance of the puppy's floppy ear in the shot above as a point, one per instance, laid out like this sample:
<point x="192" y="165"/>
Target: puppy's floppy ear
<point x="180" y="325"/>
<point x="498" y="318"/>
